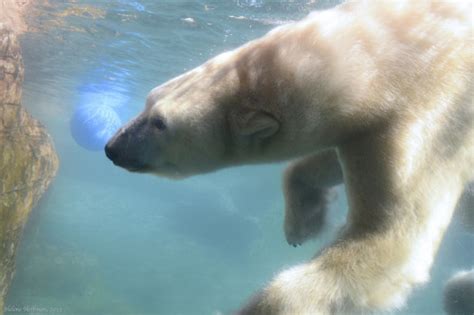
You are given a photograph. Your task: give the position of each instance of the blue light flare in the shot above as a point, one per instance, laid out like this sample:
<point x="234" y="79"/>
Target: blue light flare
<point x="98" y="114"/>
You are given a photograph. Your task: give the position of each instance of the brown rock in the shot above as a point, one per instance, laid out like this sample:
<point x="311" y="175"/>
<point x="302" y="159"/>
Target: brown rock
<point x="28" y="161"/>
<point x="12" y="12"/>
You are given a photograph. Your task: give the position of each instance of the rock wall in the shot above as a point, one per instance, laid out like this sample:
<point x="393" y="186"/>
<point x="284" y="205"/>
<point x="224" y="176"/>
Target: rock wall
<point x="28" y="161"/>
<point x="12" y="12"/>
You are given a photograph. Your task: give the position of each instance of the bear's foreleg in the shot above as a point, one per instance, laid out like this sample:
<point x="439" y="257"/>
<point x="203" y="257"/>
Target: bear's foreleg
<point x="401" y="199"/>
<point x="307" y="186"/>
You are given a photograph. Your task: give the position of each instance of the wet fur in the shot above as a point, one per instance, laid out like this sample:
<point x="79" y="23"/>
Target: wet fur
<point x="378" y="94"/>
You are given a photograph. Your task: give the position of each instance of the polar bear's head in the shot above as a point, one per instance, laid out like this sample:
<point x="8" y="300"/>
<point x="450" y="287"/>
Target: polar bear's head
<point x="251" y="105"/>
<point x="206" y="119"/>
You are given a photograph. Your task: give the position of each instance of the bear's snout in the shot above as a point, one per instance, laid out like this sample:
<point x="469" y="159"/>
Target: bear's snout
<point x="126" y="150"/>
<point x="123" y="155"/>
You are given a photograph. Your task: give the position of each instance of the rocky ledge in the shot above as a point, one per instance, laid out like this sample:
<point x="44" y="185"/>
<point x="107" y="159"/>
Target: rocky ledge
<point x="28" y="161"/>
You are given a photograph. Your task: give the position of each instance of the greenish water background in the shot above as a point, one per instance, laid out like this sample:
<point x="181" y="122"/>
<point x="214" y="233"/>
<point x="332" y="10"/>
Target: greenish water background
<point x="104" y="241"/>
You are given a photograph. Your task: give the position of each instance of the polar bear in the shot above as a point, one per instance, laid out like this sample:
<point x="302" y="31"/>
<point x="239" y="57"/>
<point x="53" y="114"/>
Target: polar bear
<point x="375" y="94"/>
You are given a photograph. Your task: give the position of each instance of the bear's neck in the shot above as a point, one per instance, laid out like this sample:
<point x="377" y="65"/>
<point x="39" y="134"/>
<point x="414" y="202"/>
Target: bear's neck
<point x="293" y="79"/>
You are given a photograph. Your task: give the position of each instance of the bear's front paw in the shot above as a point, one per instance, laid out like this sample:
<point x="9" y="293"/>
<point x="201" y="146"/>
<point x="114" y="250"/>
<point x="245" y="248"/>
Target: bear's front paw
<point x="305" y="213"/>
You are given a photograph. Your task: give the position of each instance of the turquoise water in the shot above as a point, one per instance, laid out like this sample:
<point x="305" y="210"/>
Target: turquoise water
<point x="104" y="241"/>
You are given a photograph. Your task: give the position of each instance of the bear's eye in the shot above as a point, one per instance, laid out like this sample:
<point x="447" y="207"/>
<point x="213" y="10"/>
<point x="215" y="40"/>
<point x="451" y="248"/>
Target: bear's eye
<point x="158" y="123"/>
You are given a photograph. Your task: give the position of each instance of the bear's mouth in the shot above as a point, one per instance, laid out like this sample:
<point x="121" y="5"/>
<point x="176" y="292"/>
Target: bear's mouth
<point x="165" y="169"/>
<point x="133" y="166"/>
<point x="138" y="169"/>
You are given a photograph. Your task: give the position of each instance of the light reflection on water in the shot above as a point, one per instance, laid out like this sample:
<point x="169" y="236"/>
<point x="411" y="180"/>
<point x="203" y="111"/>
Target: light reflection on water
<point x="104" y="241"/>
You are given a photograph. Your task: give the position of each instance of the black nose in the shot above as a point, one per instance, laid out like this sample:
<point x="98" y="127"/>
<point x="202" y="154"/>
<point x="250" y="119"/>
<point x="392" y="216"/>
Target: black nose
<point x="111" y="152"/>
<point x="123" y="158"/>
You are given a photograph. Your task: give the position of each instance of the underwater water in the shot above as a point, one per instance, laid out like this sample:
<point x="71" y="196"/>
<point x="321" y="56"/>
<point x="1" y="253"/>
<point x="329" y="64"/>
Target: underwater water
<point x="105" y="241"/>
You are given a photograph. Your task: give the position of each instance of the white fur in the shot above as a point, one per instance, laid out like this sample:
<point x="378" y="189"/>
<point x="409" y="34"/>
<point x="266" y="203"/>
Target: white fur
<point x="389" y="86"/>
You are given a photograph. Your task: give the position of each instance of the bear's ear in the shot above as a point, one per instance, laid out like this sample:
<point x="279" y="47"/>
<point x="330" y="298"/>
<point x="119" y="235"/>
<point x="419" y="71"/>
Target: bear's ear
<point x="257" y="124"/>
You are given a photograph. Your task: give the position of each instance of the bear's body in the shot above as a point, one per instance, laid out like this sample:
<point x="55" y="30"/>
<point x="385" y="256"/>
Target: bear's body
<point x="375" y="94"/>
